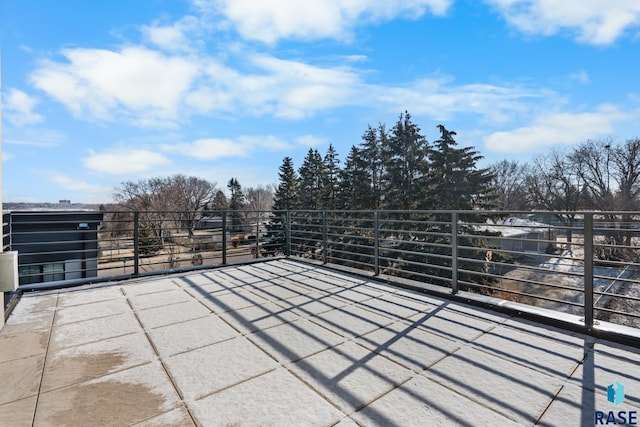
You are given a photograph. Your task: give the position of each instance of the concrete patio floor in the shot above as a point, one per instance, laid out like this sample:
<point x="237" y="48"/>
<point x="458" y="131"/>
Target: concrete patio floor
<point x="282" y="343"/>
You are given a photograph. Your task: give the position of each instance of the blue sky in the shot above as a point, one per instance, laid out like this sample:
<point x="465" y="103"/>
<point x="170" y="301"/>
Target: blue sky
<point x="97" y="93"/>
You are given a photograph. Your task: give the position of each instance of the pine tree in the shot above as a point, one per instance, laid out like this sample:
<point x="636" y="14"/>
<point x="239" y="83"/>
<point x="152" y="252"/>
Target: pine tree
<point x="405" y="165"/>
<point x="285" y="198"/>
<point x="236" y="203"/>
<point x="311" y="181"/>
<point x="354" y="182"/>
<point x="372" y="159"/>
<point x="454" y="181"/>
<point x="286" y="195"/>
<point x="330" y="178"/>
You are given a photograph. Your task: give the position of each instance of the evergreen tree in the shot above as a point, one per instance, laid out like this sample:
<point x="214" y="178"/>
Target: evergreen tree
<point x="405" y="165"/>
<point x="354" y="182"/>
<point x="285" y="198"/>
<point x="331" y="177"/>
<point x="311" y="181"/>
<point x="371" y="156"/>
<point x="454" y="181"/>
<point x="286" y="195"/>
<point x="236" y="202"/>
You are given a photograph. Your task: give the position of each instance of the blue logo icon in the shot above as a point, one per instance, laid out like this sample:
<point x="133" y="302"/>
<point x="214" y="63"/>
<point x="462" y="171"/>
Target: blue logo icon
<point x="615" y="394"/>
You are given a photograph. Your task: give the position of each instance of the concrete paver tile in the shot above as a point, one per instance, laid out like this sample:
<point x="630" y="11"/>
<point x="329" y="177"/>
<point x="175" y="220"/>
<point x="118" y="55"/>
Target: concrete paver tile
<point x="576" y="406"/>
<point x="33" y="313"/>
<point x="347" y="422"/>
<point x="313" y="303"/>
<point x="93" y="330"/>
<point x="411" y="347"/>
<point x="562" y="336"/>
<point x="149" y="286"/>
<point x="542" y="354"/>
<point x="516" y="391"/>
<point x="259" y="317"/>
<point x="316" y="283"/>
<point x="477" y="312"/>
<point x="418" y="297"/>
<point x="277" y="293"/>
<point x="231" y="301"/>
<point x="82" y="295"/>
<point x="203" y="285"/>
<point x="180" y="337"/>
<point x="394" y="306"/>
<point x="178" y="417"/>
<point x="355" y="294"/>
<point x="18" y="413"/>
<point x="174" y="313"/>
<point x="293" y="341"/>
<point x="122" y="398"/>
<point x="159" y="299"/>
<point x="209" y="369"/>
<point x="352" y="321"/>
<point x="421" y="402"/>
<point x="89" y="361"/>
<point x="350" y="376"/>
<point x="451" y="324"/>
<point x="78" y="313"/>
<point x="18" y="344"/>
<point x="601" y="368"/>
<point x="273" y="399"/>
<point x="20" y="378"/>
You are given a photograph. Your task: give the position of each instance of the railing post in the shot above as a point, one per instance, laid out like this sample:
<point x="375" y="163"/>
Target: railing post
<point x="325" y="237"/>
<point x="287" y="232"/>
<point x="136" y="243"/>
<point x="454" y="252"/>
<point x="588" y="271"/>
<point x="376" y="244"/>
<point x="257" y="248"/>
<point x="224" y="237"/>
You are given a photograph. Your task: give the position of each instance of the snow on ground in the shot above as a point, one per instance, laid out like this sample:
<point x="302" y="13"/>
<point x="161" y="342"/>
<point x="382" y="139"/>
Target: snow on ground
<point x="560" y="282"/>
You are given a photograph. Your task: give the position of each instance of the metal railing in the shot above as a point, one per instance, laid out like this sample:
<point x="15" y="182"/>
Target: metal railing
<point x="581" y="263"/>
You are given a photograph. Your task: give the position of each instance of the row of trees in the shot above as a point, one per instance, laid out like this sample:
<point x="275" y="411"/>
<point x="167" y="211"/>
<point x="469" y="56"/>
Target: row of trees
<point x="177" y="203"/>
<point x="396" y="169"/>
<point x="596" y="175"/>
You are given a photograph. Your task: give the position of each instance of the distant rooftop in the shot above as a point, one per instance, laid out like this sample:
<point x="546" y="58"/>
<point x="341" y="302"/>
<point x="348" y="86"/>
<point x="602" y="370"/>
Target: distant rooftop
<point x="288" y="343"/>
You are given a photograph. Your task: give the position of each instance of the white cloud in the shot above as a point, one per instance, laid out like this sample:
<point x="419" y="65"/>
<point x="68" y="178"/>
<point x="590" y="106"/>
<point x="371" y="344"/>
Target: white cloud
<point x="65" y="181"/>
<point x="594" y="21"/>
<point x="556" y="129"/>
<point x="127" y="161"/>
<point x="582" y="76"/>
<point x="137" y="82"/>
<point x="37" y="138"/>
<point x="311" y="140"/>
<point x="271" y="20"/>
<point x="19" y="108"/>
<point x="440" y="99"/>
<point x="175" y="37"/>
<point x="215" y="148"/>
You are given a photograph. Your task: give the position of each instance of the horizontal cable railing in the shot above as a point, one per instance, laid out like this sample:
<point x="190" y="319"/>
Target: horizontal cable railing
<point x="581" y="263"/>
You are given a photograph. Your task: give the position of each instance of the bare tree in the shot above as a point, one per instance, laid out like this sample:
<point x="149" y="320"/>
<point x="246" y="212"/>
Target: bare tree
<point x="553" y="184"/>
<point x="591" y="161"/>
<point x="188" y="197"/>
<point x="184" y="197"/>
<point x="259" y="198"/>
<point x="508" y="184"/>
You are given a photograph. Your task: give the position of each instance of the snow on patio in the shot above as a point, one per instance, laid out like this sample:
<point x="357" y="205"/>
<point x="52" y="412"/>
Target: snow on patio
<point x="287" y="343"/>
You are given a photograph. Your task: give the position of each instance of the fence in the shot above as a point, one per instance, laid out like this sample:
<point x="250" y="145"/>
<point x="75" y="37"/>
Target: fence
<point x="585" y="264"/>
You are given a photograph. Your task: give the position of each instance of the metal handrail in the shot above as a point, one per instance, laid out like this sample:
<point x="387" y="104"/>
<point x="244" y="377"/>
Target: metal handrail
<point x="528" y="262"/>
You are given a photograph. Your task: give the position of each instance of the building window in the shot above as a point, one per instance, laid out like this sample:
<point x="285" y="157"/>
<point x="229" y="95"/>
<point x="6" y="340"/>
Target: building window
<point x="41" y="273"/>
